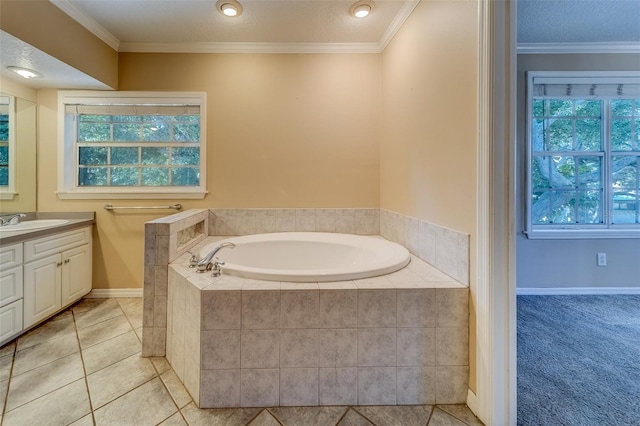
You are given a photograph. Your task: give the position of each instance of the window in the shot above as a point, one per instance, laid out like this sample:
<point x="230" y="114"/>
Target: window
<point x="132" y="145"/>
<point x="583" y="146"/>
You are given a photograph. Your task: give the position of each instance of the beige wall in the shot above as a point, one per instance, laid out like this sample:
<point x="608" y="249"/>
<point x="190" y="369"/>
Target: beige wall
<point x="44" y="26"/>
<point x="282" y="131"/>
<point x="429" y="133"/>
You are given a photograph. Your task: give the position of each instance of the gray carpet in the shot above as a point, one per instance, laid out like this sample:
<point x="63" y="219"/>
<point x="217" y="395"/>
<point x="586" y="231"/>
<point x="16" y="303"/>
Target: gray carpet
<point x="579" y="360"/>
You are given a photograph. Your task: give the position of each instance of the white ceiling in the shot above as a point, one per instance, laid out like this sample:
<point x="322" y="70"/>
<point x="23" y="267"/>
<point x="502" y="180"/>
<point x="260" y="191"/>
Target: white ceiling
<point x="264" y="25"/>
<point x="609" y="23"/>
<point x="306" y="26"/>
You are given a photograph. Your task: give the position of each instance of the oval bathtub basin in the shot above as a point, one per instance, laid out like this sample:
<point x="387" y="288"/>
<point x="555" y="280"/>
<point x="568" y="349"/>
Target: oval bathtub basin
<point x="309" y="256"/>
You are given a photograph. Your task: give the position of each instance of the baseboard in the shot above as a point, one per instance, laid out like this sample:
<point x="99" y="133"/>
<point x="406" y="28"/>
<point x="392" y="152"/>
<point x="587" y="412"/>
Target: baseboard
<point x="105" y="293"/>
<point x="472" y="402"/>
<point x="562" y="291"/>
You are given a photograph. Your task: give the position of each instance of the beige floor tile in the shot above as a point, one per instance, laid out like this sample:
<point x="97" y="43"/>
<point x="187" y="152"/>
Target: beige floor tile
<point x="58" y="326"/>
<point x="110" y="351"/>
<point x="308" y="416"/>
<point x="401" y="415"/>
<point x="7" y="349"/>
<point x="175" y="420"/>
<point x="44" y="353"/>
<point x="4" y="386"/>
<point x="87" y="304"/>
<point x="117" y="379"/>
<point x="440" y="418"/>
<point x="219" y="416"/>
<point x="139" y="333"/>
<point x="62" y="406"/>
<point x="44" y="379"/>
<point x="108" y="309"/>
<point x="6" y="362"/>
<point x="177" y="390"/>
<point x="148" y="404"/>
<point x="132" y="308"/>
<point x="352" y="418"/>
<point x="160" y="363"/>
<point x="462" y="412"/>
<point x="102" y="331"/>
<point x="265" y="418"/>
<point x="85" y="421"/>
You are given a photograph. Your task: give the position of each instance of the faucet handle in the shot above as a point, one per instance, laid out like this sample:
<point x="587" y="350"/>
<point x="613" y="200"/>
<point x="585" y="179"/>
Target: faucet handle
<point x="193" y="262"/>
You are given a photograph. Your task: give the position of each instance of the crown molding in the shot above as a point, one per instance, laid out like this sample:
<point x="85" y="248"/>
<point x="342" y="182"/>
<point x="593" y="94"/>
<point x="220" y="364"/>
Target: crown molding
<point x="564" y="48"/>
<point x="397" y="23"/>
<point x="88" y="22"/>
<point x="215" y="47"/>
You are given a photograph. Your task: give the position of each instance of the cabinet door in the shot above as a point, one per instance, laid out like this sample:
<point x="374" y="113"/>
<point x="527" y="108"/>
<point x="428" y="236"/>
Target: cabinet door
<point x="10" y="285"/>
<point x="76" y="273"/>
<point x="42" y="279"/>
<point x="10" y="321"/>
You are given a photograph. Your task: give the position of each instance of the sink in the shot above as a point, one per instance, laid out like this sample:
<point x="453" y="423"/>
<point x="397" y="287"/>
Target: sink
<point x="33" y="224"/>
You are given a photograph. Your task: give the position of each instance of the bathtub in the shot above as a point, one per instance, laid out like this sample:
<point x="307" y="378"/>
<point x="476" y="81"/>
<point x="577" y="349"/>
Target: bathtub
<point x="309" y="256"/>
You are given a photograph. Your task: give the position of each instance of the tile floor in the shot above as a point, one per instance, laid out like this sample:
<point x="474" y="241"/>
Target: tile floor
<point x="83" y="367"/>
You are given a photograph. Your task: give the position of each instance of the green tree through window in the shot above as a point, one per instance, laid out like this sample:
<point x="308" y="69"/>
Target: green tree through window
<point x="584" y="152"/>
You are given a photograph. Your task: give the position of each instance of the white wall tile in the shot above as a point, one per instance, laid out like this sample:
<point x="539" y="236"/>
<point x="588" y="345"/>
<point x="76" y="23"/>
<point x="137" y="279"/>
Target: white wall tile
<point x="338" y="347"/>
<point x="221" y="310"/>
<point x="299" y="308"/>
<point x="298" y="386"/>
<point x="416" y="347"/>
<point x="261" y="309"/>
<point x="376" y="385"/>
<point x="416" y="385"/>
<point x="416" y="307"/>
<point x="376" y="308"/>
<point x="377" y="347"/>
<point x="338" y="386"/>
<point x="220" y="388"/>
<point x="220" y="349"/>
<point x="299" y="348"/>
<point x="260" y="349"/>
<point x="338" y="308"/>
<point x="259" y="388"/>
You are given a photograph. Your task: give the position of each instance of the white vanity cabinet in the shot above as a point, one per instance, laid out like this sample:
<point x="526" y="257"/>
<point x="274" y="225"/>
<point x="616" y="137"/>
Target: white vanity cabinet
<point x="10" y="291"/>
<point x="57" y="272"/>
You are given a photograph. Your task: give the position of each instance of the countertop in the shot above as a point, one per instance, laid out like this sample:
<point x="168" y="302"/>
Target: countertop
<point x="76" y="220"/>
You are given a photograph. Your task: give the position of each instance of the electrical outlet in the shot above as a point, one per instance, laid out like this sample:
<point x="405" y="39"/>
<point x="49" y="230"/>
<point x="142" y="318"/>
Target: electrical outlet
<point x="602" y="259"/>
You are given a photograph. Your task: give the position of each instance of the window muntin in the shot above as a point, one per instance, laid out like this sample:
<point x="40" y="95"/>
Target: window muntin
<point x="583" y="154"/>
<point x="149" y="144"/>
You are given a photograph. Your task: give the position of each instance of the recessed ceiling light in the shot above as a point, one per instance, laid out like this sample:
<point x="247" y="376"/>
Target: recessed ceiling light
<point x="229" y="8"/>
<point x="24" y="72"/>
<point x="362" y="8"/>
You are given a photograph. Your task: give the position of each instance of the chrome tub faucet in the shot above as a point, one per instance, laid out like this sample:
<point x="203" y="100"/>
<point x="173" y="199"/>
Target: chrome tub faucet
<point x="208" y="263"/>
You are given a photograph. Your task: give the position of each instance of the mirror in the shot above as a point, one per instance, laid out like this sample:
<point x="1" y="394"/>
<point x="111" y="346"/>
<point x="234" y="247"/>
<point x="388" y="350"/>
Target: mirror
<point x="7" y="148"/>
<point x="17" y="154"/>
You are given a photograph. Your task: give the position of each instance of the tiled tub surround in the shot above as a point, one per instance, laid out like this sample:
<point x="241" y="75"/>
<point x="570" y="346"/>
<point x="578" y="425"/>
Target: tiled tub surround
<point x="165" y="239"/>
<point x="169" y="237"/>
<point x="397" y="339"/>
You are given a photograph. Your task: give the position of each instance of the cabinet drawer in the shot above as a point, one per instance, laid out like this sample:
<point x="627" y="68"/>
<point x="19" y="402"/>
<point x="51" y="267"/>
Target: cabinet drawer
<point x="10" y="256"/>
<point x="10" y="285"/>
<point x="10" y="321"/>
<point x="45" y="246"/>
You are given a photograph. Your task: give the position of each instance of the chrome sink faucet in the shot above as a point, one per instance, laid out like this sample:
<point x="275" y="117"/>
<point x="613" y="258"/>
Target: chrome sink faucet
<point x="13" y="219"/>
<point x="207" y="263"/>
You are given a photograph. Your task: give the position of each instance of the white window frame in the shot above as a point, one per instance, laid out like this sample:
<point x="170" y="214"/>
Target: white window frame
<point x="68" y="187"/>
<point x="573" y="231"/>
<point x="9" y="192"/>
